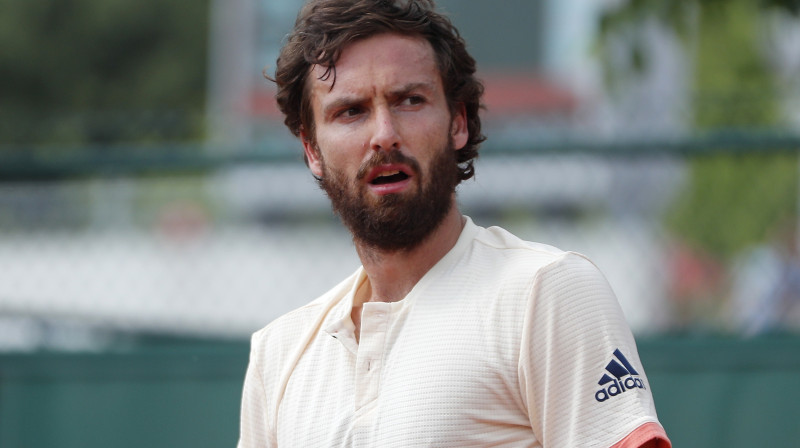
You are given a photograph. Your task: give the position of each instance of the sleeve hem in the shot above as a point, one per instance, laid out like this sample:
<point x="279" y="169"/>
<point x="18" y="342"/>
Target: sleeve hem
<point x="645" y="433"/>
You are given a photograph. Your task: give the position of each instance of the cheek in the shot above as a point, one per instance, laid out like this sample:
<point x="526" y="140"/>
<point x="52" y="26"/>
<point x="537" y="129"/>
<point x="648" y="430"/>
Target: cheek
<point x="344" y="155"/>
<point x="433" y="135"/>
<point x="344" y="139"/>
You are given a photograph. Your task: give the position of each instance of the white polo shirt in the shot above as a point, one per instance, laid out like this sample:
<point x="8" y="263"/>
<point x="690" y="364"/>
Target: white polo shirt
<point x="502" y="343"/>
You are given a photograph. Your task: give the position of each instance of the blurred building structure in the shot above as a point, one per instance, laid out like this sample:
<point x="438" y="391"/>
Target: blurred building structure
<point x="543" y="89"/>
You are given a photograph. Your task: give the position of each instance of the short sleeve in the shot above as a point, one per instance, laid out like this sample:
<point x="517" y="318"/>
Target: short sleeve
<point x="580" y="373"/>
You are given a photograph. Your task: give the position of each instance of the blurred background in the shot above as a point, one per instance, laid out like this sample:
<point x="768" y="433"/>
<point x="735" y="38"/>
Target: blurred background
<point x="154" y="211"/>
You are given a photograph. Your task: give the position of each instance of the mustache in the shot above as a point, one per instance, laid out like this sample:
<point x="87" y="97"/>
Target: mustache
<point x="386" y="158"/>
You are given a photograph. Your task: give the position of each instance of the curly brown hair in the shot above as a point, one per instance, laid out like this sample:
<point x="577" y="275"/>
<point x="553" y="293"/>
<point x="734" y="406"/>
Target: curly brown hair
<point x="325" y="27"/>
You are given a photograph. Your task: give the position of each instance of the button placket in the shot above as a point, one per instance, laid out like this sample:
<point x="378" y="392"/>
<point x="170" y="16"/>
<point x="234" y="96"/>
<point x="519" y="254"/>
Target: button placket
<point x="375" y="319"/>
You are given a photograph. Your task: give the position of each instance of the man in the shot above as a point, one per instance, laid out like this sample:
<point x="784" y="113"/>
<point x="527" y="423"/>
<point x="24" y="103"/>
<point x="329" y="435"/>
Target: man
<point x="449" y="335"/>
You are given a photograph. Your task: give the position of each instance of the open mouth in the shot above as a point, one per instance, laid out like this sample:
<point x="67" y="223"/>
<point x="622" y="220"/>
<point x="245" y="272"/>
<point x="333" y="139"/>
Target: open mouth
<point x="389" y="177"/>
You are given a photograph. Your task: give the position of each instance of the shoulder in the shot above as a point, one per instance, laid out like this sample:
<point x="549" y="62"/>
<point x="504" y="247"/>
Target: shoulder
<point x="554" y="282"/>
<point x="280" y="337"/>
<point x="287" y="327"/>
<point x="501" y="239"/>
<point x="504" y="271"/>
<point x="511" y="256"/>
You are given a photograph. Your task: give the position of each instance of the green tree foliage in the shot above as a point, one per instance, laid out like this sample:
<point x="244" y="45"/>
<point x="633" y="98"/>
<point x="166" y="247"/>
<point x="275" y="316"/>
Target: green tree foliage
<point x="732" y="200"/>
<point x="78" y="71"/>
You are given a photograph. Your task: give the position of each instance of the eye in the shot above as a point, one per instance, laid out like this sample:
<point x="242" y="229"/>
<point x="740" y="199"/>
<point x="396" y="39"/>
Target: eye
<point x="349" y="112"/>
<point x="413" y="100"/>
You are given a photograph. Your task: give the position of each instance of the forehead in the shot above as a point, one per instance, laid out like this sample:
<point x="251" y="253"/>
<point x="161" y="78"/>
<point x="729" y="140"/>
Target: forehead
<point x="377" y="62"/>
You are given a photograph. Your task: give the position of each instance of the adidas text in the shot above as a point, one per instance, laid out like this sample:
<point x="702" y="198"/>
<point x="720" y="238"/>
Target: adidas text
<point x="618" y="387"/>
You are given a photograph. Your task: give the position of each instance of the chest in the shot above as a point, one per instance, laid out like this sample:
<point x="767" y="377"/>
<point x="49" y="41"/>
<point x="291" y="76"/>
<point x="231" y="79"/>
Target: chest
<point x="436" y="375"/>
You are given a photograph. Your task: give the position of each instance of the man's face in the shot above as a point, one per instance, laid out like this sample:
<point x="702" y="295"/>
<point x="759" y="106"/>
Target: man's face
<point x="385" y="140"/>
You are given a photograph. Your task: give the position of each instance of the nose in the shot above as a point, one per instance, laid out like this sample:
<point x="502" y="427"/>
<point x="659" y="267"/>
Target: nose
<point x="385" y="136"/>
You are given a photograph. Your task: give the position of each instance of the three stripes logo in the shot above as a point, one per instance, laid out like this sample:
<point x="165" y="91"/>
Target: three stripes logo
<point x="614" y="384"/>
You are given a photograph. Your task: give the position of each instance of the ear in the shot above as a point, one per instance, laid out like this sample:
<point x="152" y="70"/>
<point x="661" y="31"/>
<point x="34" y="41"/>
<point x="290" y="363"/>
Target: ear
<point x="458" y="127"/>
<point x="313" y="157"/>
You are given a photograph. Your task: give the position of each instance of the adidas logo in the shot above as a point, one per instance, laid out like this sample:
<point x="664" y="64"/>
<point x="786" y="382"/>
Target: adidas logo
<point x="618" y="368"/>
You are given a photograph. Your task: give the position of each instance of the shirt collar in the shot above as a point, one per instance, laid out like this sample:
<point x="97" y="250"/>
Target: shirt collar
<point x="339" y="323"/>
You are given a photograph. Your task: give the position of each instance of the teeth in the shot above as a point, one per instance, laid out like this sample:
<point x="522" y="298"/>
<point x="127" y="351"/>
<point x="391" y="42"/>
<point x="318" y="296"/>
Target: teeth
<point x="389" y="173"/>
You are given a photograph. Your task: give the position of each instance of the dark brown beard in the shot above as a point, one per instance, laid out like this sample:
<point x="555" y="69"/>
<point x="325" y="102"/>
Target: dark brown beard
<point x="395" y="222"/>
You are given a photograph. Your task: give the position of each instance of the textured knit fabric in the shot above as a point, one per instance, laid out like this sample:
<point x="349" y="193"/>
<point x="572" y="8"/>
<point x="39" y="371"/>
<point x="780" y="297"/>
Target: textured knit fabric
<point x="502" y="343"/>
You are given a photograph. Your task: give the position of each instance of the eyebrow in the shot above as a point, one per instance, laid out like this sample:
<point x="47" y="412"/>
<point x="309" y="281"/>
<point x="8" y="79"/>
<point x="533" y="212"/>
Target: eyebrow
<point x="341" y="103"/>
<point x="352" y="100"/>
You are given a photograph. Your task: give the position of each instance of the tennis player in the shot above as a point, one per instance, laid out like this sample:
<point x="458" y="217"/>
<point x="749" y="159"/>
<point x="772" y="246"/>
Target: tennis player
<point x="449" y="334"/>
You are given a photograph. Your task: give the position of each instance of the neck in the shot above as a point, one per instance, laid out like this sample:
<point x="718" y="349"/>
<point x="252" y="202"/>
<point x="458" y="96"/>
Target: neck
<point x="393" y="274"/>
